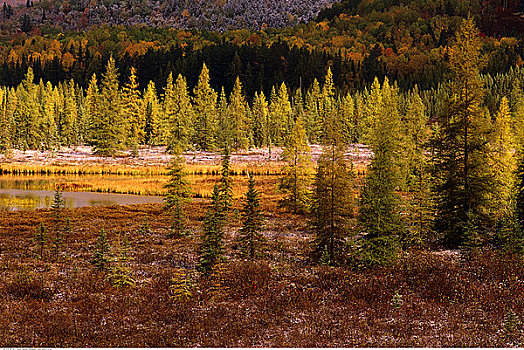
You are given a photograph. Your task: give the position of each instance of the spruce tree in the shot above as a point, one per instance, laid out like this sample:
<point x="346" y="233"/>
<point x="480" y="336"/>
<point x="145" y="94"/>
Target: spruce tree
<point x="332" y="207"/>
<point x="151" y="112"/>
<point x="132" y="110"/>
<point x="92" y="110"/>
<point x="226" y="189"/>
<point x="379" y="216"/>
<point x="101" y="256"/>
<point x="56" y="208"/>
<point x="421" y="211"/>
<point x="296" y="178"/>
<point x="6" y="120"/>
<point x="204" y="106"/>
<point x="250" y="233"/>
<point x="178" y="113"/>
<point x="108" y="134"/>
<point x="120" y="273"/>
<point x="260" y="120"/>
<point x="211" y="249"/>
<point x="40" y="239"/>
<point x="178" y="193"/>
<point x="462" y="148"/>
<point x="237" y="114"/>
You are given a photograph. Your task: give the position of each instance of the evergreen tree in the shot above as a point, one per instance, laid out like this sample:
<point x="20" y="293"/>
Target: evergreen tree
<point x="237" y="113"/>
<point x="101" y="256"/>
<point x="151" y="112"/>
<point x="92" y="110"/>
<point x="462" y="150"/>
<point x="226" y="190"/>
<point x="108" y="135"/>
<point x="379" y="202"/>
<point x="40" y="239"/>
<point x="312" y="121"/>
<point x="250" y="233"/>
<point x="503" y="163"/>
<point x="332" y="204"/>
<point x="420" y="216"/>
<point x="260" y="119"/>
<point x="225" y="136"/>
<point x="56" y="209"/>
<point x="211" y="249"/>
<point x="178" y="113"/>
<point x="178" y="193"/>
<point x="204" y="106"/>
<point x="134" y="121"/>
<point x="120" y="273"/>
<point x="296" y="178"/>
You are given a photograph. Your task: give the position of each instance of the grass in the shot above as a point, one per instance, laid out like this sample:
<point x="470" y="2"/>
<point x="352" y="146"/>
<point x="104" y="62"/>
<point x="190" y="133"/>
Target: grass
<point x="428" y="299"/>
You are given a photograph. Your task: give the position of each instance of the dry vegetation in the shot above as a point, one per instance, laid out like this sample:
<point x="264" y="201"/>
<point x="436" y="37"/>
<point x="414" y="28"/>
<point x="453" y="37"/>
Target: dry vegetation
<point x="427" y="299"/>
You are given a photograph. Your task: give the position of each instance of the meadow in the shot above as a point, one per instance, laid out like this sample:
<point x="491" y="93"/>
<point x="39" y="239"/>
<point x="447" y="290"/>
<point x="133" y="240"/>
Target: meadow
<point x="426" y="299"/>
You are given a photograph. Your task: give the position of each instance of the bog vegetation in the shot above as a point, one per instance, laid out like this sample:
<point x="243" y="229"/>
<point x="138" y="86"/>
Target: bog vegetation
<point x="299" y="270"/>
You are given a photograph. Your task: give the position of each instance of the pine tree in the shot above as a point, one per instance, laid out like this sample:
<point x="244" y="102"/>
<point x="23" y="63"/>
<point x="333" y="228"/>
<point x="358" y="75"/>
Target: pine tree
<point x="462" y="151"/>
<point x="134" y="121"/>
<point x="108" y="136"/>
<point x="332" y="203"/>
<point x="101" y="256"/>
<point x="211" y="249"/>
<point x="178" y="193"/>
<point x="296" y="178"/>
<point x="379" y="202"/>
<point x="204" y="106"/>
<point x="250" y="233"/>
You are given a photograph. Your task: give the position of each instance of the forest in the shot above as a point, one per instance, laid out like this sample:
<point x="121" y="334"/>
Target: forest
<point x="417" y="242"/>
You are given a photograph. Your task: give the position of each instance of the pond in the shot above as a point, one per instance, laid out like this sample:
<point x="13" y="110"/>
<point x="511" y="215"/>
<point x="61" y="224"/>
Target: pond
<point x="26" y="194"/>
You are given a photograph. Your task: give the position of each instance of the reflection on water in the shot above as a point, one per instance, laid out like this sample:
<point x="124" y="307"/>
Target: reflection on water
<point x="18" y="199"/>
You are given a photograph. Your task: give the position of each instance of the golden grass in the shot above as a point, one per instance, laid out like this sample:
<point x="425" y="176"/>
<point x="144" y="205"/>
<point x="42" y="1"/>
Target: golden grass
<point x="97" y="169"/>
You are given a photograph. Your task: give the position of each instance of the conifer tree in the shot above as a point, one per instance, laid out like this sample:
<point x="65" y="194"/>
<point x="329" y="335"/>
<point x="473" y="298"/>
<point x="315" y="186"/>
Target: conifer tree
<point x="108" y="135"/>
<point x="178" y="113"/>
<point x="27" y="115"/>
<point x="313" y="121"/>
<point x="462" y="153"/>
<point x="50" y="112"/>
<point x="204" y="106"/>
<point x="224" y="137"/>
<point x="40" y="239"/>
<point x="67" y="125"/>
<point x="92" y="110"/>
<point x="6" y="119"/>
<point x="226" y="190"/>
<point x="503" y="163"/>
<point x="379" y="203"/>
<point x="237" y="113"/>
<point x="132" y="110"/>
<point x="332" y="207"/>
<point x="296" y="178"/>
<point x="281" y="115"/>
<point x="101" y="256"/>
<point x="421" y="209"/>
<point x="211" y="249"/>
<point x="56" y="208"/>
<point x="120" y="273"/>
<point x="178" y="193"/>
<point x="260" y="119"/>
<point x="151" y="111"/>
<point x="250" y="233"/>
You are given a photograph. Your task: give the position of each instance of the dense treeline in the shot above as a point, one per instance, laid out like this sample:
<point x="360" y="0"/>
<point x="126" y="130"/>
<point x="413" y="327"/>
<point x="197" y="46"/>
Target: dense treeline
<point x="406" y="43"/>
<point x="447" y="158"/>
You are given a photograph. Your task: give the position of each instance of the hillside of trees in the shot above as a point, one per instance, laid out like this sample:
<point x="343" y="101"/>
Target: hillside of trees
<point x="407" y="43"/>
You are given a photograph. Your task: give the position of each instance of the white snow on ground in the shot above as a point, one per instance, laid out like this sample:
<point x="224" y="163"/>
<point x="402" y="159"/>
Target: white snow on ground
<point x="157" y="156"/>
